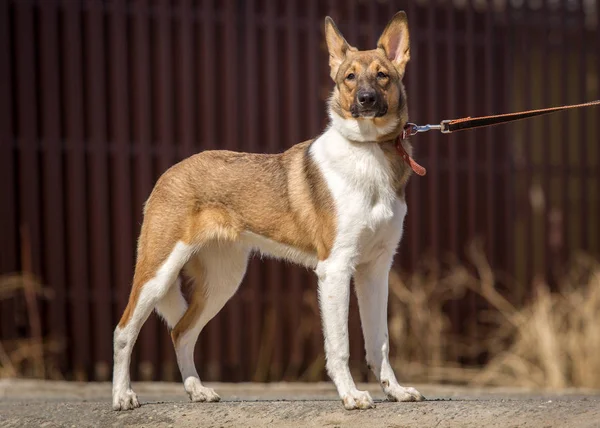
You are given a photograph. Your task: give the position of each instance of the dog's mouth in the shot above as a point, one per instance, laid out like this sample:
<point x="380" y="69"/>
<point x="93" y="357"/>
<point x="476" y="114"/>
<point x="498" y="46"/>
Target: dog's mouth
<point x="367" y="112"/>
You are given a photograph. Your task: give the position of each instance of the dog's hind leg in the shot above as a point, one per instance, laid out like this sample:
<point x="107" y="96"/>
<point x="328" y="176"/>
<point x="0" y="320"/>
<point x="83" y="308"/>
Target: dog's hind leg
<point x="217" y="271"/>
<point x="153" y="280"/>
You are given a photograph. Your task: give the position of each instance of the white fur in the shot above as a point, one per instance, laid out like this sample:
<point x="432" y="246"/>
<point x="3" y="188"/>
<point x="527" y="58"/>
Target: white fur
<point x="361" y="129"/>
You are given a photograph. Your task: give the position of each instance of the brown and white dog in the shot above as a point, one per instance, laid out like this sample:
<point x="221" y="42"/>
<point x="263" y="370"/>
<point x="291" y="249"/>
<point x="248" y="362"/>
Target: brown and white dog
<point x="335" y="204"/>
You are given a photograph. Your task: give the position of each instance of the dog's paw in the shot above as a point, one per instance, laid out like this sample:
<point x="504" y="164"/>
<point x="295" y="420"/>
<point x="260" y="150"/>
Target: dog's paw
<point x="400" y="393"/>
<point x="358" y="400"/>
<point x="199" y="393"/>
<point x="126" y="400"/>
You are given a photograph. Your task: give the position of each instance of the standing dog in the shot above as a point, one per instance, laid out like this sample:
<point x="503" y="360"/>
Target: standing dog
<point x="335" y="204"/>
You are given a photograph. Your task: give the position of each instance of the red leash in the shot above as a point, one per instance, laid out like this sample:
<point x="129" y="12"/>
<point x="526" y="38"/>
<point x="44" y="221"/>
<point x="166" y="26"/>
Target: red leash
<point x="448" y="126"/>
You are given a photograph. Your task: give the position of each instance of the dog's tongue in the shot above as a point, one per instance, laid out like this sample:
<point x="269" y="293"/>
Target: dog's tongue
<point x="417" y="169"/>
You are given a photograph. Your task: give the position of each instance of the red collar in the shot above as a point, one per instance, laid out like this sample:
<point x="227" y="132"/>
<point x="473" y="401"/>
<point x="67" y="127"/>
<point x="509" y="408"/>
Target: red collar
<point x="417" y="169"/>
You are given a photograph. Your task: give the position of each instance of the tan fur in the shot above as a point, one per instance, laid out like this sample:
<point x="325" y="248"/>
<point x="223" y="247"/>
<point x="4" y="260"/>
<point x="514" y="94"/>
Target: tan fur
<point x="216" y="195"/>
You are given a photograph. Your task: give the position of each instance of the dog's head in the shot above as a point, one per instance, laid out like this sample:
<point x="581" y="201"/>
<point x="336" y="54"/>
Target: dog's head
<point x="368" y="102"/>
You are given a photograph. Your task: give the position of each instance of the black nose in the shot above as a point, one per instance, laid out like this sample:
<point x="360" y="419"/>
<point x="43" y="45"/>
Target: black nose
<point x="366" y="98"/>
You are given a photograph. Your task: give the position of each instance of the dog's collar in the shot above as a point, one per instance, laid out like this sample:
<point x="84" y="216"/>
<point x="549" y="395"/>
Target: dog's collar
<point x="417" y="169"/>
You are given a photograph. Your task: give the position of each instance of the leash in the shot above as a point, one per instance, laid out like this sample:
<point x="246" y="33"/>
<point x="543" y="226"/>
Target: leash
<point x="448" y="126"/>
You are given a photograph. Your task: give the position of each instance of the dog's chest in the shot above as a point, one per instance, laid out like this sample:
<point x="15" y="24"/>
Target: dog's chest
<point x="359" y="177"/>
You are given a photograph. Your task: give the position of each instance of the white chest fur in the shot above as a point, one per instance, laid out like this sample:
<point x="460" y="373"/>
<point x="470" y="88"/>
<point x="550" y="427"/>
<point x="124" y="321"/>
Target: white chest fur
<point x="369" y="215"/>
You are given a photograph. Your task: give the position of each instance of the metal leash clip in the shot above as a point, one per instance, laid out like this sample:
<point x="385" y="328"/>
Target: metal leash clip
<point x="411" y="129"/>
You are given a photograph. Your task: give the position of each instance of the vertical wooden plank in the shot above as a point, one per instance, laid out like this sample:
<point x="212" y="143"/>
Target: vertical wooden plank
<point x="434" y="140"/>
<point x="471" y="158"/>
<point x="8" y="215"/>
<point x="187" y="84"/>
<point x="54" y="230"/>
<point x="492" y="167"/>
<point x="165" y="141"/>
<point x="273" y="135"/>
<point x="122" y="250"/>
<point x="99" y="213"/>
<point x="28" y="129"/>
<point x="453" y="197"/>
<point x="293" y="309"/>
<point x="151" y="354"/>
<point x="232" y="142"/>
<point x="207" y="118"/>
<point x="253" y="281"/>
<point x="414" y="188"/>
<point x="143" y="71"/>
<point x="585" y="166"/>
<point x="597" y="127"/>
<point x="77" y="249"/>
<point x="511" y="171"/>
<point x="548" y="263"/>
<point x="208" y="89"/>
<point x="565" y="52"/>
<point x="315" y="59"/>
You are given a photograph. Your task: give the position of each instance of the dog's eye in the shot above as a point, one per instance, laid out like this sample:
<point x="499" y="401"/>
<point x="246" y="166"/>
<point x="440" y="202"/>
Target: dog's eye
<point x="351" y="76"/>
<point x="381" y="75"/>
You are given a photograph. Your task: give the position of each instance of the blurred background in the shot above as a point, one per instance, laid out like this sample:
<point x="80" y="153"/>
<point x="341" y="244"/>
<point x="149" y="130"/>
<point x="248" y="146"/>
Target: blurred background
<point x="496" y="280"/>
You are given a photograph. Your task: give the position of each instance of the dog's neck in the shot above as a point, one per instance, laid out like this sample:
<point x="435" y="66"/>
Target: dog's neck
<point x="365" y="130"/>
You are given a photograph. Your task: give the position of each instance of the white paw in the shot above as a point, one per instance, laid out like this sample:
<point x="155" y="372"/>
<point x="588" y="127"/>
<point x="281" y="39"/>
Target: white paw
<point x="358" y="400"/>
<point x="199" y="393"/>
<point x="125" y="400"/>
<point x="400" y="393"/>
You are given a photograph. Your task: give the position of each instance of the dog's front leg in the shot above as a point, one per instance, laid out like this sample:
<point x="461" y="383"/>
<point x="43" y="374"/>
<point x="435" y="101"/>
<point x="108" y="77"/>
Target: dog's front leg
<point x="334" y="295"/>
<point x="371" y="280"/>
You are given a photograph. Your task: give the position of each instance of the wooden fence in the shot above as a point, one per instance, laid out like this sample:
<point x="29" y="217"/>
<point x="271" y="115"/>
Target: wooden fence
<point x="98" y="98"/>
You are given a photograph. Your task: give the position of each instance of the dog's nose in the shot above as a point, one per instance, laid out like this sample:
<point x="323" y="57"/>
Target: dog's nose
<point x="366" y="98"/>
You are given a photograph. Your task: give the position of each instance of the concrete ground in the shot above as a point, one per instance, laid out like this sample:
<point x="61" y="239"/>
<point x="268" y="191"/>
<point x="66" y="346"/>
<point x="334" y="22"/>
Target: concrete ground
<point x="29" y="403"/>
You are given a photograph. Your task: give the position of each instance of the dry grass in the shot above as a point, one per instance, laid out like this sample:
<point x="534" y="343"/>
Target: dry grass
<point x="31" y="356"/>
<point x="553" y="341"/>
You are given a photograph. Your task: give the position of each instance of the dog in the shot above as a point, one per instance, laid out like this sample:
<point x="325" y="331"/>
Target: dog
<point x="335" y="204"/>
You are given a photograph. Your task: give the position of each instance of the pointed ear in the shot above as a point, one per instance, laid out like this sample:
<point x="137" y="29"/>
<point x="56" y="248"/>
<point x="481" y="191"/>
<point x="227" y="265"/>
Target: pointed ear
<point x="337" y="46"/>
<point x="395" y="41"/>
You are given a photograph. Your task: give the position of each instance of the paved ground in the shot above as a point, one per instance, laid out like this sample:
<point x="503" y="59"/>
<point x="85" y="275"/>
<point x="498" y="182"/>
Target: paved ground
<point x="26" y="403"/>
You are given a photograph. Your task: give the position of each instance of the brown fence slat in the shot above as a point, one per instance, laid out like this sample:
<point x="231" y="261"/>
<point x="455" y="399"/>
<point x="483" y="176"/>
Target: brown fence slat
<point x="292" y="95"/>
<point x="77" y="242"/>
<point x="120" y="190"/>
<point x="99" y="98"/>
<point x="434" y="139"/>
<point x="207" y="93"/>
<point x="8" y="214"/>
<point x="273" y="135"/>
<point x="98" y="197"/>
<point x="142" y="104"/>
<point x="232" y="141"/>
<point x="28" y="129"/>
<point x="413" y="222"/>
<point x="53" y="185"/>
<point x="253" y="280"/>
<point x="490" y="190"/>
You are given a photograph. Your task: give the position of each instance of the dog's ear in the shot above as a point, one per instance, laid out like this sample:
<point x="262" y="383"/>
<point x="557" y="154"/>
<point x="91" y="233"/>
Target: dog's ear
<point x="395" y="41"/>
<point x="337" y="46"/>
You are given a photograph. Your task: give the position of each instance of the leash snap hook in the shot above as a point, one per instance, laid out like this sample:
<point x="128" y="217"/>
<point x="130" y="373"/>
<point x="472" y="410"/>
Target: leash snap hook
<point x="411" y="129"/>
